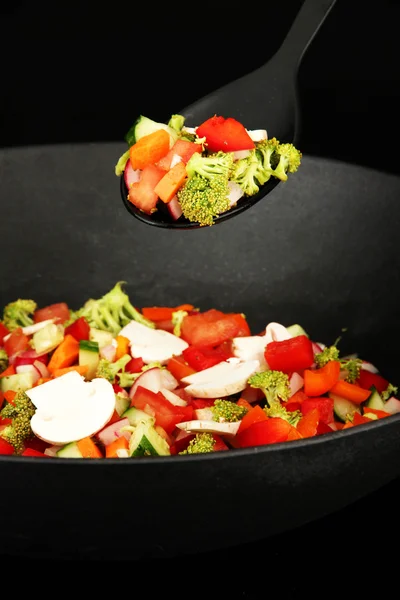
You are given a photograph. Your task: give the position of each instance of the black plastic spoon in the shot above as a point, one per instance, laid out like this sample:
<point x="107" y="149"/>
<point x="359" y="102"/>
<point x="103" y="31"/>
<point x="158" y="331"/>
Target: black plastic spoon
<point x="265" y="98"/>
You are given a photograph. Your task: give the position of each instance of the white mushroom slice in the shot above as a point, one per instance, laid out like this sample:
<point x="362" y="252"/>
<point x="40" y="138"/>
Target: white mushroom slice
<point x="257" y="135"/>
<point x="275" y="332"/>
<point x="210" y="427"/>
<point x="77" y="409"/>
<point x="31" y="329"/>
<point x="250" y="347"/>
<point x="152" y="345"/>
<point x="231" y="378"/>
<point x="173" y="398"/>
<point x="212" y="372"/>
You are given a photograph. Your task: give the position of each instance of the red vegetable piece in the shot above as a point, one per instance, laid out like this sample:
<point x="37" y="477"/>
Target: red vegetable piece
<point x="290" y="355"/>
<point x="223" y="134"/>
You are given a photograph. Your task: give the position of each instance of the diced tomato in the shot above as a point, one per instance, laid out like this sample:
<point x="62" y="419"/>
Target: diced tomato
<point x="142" y="193"/>
<point x="223" y="134"/>
<point x="182" y="148"/>
<point x="3" y="332"/>
<point x="323" y="404"/>
<point x="135" y="365"/>
<point x="295" y="401"/>
<point x="179" y="368"/>
<point x="16" y="343"/>
<point x="32" y="452"/>
<point x="58" y="311"/>
<point x="290" y="355"/>
<point x="319" y="381"/>
<point x="323" y="428"/>
<point x="269" y="431"/>
<point x="166" y="414"/>
<point x="79" y="329"/>
<point x="212" y="328"/>
<point x="367" y="379"/>
<point x="359" y="419"/>
<point x="5" y="447"/>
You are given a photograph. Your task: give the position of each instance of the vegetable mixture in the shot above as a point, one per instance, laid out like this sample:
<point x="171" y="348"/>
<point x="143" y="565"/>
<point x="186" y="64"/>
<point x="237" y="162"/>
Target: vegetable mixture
<point x="198" y="173"/>
<point x="111" y="381"/>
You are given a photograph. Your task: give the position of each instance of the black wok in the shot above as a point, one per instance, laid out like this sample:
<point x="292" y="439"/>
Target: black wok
<point x="320" y="252"/>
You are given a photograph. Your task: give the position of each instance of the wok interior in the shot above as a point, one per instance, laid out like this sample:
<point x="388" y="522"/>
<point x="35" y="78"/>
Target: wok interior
<point x="319" y="251"/>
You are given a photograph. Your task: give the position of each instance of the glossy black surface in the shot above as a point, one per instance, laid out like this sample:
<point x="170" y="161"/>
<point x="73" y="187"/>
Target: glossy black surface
<point x="320" y="252"/>
<point x="266" y="98"/>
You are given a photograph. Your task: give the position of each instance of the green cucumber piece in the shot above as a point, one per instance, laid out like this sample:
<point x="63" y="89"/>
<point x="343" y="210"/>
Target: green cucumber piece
<point x="70" y="450"/>
<point x="103" y="338"/>
<point x="296" y="330"/>
<point x="122" y="404"/>
<point x="20" y="382"/>
<point x="89" y="355"/>
<point x="375" y="400"/>
<point x="144" y="126"/>
<point x="136" y="415"/>
<point x="145" y="441"/>
<point x="343" y="408"/>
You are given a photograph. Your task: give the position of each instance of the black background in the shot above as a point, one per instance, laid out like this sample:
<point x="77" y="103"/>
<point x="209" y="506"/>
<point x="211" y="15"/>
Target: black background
<point x="77" y="72"/>
<point x="82" y="71"/>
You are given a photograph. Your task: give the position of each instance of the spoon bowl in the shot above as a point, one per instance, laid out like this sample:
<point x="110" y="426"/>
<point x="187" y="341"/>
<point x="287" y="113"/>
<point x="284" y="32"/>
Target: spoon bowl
<point x="264" y="98"/>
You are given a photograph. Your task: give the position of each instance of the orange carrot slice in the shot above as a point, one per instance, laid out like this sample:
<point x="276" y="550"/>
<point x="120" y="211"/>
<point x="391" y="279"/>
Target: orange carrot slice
<point x="88" y="448"/>
<point x="149" y="149"/>
<point x="65" y="355"/>
<point x="167" y="187"/>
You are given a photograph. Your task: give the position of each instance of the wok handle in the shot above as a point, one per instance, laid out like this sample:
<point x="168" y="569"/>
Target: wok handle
<point x="303" y="30"/>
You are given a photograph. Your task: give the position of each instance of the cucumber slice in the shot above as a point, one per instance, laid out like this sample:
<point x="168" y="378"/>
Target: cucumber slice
<point x="296" y="330"/>
<point x="343" y="408"/>
<point x="375" y="400"/>
<point x="70" y="450"/>
<point x="122" y="404"/>
<point x="145" y="441"/>
<point x="103" y="338"/>
<point x="20" y="382"/>
<point x="135" y="416"/>
<point x="89" y="355"/>
<point x="144" y="126"/>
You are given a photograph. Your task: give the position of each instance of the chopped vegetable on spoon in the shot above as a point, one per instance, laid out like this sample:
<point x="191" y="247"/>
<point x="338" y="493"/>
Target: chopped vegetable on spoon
<point x="201" y="172"/>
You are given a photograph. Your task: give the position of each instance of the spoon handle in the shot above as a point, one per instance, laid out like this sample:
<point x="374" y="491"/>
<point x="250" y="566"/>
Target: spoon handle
<point x="304" y="28"/>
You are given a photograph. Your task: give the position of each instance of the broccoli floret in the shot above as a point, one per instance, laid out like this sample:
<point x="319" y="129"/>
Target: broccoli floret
<point x="111" y="312"/>
<point x="326" y="355"/>
<point x="21" y="413"/>
<point x="266" y="151"/>
<point x="249" y="174"/>
<point x="177" y="318"/>
<point x="227" y="411"/>
<point x="19" y="314"/>
<point x="274" y="384"/>
<point x="202" y="443"/>
<point x="3" y="360"/>
<point x="276" y="409"/>
<point x="218" y="163"/>
<point x="353" y="368"/>
<point x="203" y="199"/>
<point x="109" y="370"/>
<point x="205" y="194"/>
<point x="391" y="390"/>
<point x="289" y="159"/>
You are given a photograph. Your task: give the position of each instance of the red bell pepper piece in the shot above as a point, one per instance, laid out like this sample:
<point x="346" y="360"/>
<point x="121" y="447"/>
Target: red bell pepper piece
<point x="290" y="355"/>
<point x="213" y="327"/>
<point x="377" y="412"/>
<point x="219" y="443"/>
<point x="223" y="134"/>
<point x="319" y="381"/>
<point x="179" y="368"/>
<point x="5" y="447"/>
<point x="202" y="403"/>
<point x="79" y="329"/>
<point x="269" y="431"/>
<point x="200" y="358"/>
<point x="324" y="405"/>
<point x="255" y="415"/>
<point x="3" y="332"/>
<point x="308" y="424"/>
<point x="166" y="414"/>
<point x="32" y="452"/>
<point x="135" y="365"/>
<point x="367" y="379"/>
